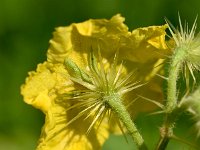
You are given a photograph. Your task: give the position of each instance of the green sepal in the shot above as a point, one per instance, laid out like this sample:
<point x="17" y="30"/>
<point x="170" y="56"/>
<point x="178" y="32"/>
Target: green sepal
<point x="75" y="71"/>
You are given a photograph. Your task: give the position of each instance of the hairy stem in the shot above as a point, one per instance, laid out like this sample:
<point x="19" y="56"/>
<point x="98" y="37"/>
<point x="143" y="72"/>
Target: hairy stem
<point x="116" y="105"/>
<point x="171" y="104"/>
<point x="174" y="68"/>
<point x="171" y="91"/>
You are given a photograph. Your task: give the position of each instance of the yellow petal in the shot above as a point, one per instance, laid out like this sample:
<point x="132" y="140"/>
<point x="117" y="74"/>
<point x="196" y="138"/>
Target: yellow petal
<point x="37" y="87"/>
<point x="60" y="45"/>
<point x="57" y="136"/>
<point x="42" y="90"/>
<point x="145" y="44"/>
<point x="41" y="87"/>
<point x="100" y="33"/>
<point x="142" y="49"/>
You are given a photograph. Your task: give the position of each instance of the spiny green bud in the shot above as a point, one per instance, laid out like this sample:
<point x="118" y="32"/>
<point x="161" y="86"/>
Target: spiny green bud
<point x="187" y="46"/>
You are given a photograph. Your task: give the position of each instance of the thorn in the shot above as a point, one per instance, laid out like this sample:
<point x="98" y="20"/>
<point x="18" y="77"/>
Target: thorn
<point x="163" y="77"/>
<point x="153" y="101"/>
<point x="156" y="113"/>
<point x="133" y="101"/>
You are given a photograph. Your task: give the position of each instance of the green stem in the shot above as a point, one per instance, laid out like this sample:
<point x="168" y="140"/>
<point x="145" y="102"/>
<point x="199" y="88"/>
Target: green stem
<point x="116" y="105"/>
<point x="176" y="63"/>
<point x="172" y="89"/>
<point x="163" y="142"/>
<point x="171" y="105"/>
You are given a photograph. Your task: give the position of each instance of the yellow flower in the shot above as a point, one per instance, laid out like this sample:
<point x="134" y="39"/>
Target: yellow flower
<point x="59" y="87"/>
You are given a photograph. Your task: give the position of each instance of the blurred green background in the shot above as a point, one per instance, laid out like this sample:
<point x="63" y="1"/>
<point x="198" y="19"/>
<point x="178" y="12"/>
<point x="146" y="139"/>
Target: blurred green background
<point x="25" y="29"/>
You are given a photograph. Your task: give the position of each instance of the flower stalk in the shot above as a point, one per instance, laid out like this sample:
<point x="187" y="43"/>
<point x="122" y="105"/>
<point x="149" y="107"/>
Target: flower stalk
<point x="172" y="79"/>
<point x="185" y="45"/>
<point x="167" y="129"/>
<point x="116" y="105"/>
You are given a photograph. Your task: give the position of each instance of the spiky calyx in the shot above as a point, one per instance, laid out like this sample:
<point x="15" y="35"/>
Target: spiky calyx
<point x="187" y="47"/>
<point x="102" y="92"/>
<point x="186" y="57"/>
